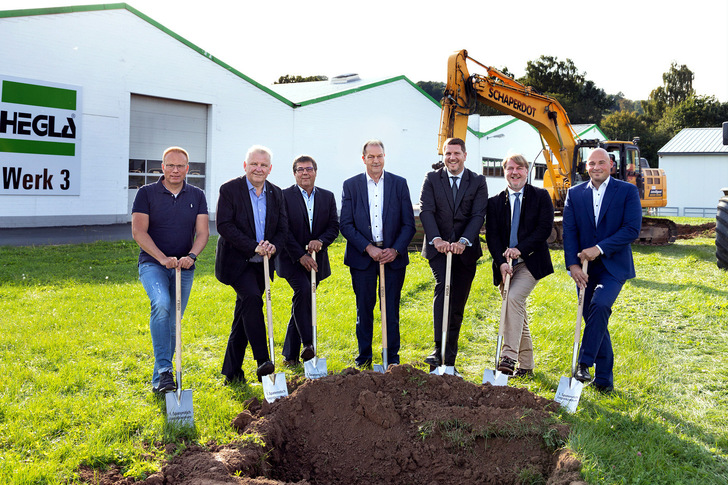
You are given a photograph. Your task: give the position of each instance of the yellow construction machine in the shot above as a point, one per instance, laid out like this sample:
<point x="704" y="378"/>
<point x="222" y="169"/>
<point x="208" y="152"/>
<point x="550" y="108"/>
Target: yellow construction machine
<point x="565" y="153"/>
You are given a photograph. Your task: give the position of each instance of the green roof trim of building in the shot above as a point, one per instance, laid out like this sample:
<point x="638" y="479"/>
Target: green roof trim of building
<point x="124" y="6"/>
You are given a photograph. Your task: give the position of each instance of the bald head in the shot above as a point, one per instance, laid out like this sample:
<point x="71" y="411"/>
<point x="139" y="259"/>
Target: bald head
<point x="599" y="166"/>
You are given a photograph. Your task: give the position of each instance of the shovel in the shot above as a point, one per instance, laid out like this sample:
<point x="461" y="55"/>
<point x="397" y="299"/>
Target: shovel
<point x="179" y="402"/>
<point x="274" y="385"/>
<point x="445" y="369"/>
<point x="569" y="390"/>
<point x="316" y="367"/>
<point x="383" y="310"/>
<point x="496" y="377"/>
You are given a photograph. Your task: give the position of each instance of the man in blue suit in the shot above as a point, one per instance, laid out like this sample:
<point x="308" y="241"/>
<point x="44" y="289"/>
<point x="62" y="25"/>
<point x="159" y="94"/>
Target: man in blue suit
<point x="313" y="225"/>
<point x="601" y="219"/>
<point x="378" y="223"/>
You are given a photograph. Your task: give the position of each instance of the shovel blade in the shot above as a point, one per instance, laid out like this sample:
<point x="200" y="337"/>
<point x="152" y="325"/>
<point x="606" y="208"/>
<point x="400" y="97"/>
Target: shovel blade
<point x="315" y="368"/>
<point x="441" y="370"/>
<point x="568" y="393"/>
<point x="179" y="408"/>
<point x="274" y="386"/>
<point x="495" y="378"/>
<point x="379" y="368"/>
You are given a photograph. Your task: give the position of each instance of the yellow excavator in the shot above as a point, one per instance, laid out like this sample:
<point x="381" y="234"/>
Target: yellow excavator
<point x="565" y="153"/>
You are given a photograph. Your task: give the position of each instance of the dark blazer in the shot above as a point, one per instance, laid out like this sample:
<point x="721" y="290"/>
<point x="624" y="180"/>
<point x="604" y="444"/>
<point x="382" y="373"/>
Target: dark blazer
<point x="534" y="229"/>
<point x="397" y="217"/>
<point x="325" y="228"/>
<point x="620" y="220"/>
<point x="236" y="226"/>
<point x="442" y="216"/>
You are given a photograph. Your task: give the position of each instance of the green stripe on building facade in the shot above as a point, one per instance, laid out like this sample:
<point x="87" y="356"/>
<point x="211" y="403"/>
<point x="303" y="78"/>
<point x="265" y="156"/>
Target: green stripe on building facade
<point x="37" y="147"/>
<point x="34" y="95"/>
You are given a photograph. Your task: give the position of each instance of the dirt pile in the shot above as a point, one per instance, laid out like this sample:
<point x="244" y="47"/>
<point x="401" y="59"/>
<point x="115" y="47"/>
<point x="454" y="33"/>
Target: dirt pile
<point x="690" y="231"/>
<point x="403" y="427"/>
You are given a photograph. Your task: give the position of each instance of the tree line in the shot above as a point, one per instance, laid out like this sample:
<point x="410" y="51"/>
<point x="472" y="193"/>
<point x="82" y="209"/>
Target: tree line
<point x="670" y="108"/>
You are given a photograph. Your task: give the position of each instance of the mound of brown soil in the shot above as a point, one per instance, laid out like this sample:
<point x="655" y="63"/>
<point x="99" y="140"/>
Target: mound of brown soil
<point x="403" y="427"/>
<point x="690" y="231"/>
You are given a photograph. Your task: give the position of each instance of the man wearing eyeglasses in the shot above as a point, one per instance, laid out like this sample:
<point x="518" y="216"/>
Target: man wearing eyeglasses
<point x="313" y="224"/>
<point x="169" y="222"/>
<point x="378" y="223"/>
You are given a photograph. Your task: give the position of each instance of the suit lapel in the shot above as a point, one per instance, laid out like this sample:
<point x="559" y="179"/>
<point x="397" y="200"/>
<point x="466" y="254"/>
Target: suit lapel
<point x="608" y="197"/>
<point x="388" y="191"/>
<point x="447" y="188"/>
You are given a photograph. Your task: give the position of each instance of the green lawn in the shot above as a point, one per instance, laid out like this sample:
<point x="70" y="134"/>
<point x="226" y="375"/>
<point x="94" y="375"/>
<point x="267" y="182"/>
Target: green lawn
<point x="75" y="360"/>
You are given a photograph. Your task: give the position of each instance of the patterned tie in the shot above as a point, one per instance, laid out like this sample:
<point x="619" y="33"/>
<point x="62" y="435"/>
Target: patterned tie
<point x="514" y="223"/>
<point x="455" y="188"/>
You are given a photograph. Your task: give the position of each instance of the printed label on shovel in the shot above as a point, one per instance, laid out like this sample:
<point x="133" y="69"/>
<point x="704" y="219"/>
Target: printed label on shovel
<point x="180" y="412"/>
<point x="315" y="370"/>
<point x="568" y="393"/>
<point x="274" y="386"/>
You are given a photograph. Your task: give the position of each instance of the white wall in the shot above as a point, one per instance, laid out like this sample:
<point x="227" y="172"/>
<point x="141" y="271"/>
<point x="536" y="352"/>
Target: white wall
<point x="694" y="180"/>
<point x="334" y="131"/>
<point x="111" y="54"/>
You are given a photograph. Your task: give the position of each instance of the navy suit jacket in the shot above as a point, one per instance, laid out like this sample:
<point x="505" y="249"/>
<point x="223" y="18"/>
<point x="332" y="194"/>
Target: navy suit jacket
<point x="620" y="220"/>
<point x="444" y="217"/>
<point x="534" y="228"/>
<point x="397" y="218"/>
<point x="325" y="227"/>
<point x="236" y="226"/>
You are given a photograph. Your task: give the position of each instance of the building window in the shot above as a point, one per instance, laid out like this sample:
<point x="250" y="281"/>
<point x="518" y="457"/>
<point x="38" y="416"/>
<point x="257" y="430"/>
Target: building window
<point x="492" y="167"/>
<point x="142" y="172"/>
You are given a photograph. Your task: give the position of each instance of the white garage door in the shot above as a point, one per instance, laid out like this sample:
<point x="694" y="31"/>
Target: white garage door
<point x="158" y="123"/>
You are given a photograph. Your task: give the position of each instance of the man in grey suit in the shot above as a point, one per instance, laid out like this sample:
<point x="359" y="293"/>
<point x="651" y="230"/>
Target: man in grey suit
<point x="453" y="203"/>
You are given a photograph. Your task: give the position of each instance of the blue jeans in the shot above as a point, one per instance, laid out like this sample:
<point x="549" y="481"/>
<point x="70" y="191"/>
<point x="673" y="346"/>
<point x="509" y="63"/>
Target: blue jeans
<point x="158" y="282"/>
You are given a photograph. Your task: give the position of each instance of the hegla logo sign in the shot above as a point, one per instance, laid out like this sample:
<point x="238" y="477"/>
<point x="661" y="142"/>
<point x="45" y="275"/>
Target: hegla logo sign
<point x="40" y="137"/>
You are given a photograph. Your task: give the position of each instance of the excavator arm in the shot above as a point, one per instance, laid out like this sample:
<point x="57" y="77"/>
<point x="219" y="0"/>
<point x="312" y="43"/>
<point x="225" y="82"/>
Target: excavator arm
<point x="464" y="91"/>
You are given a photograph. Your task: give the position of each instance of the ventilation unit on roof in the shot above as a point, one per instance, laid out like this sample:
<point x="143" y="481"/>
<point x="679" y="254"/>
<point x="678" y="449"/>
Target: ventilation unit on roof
<point x="345" y="78"/>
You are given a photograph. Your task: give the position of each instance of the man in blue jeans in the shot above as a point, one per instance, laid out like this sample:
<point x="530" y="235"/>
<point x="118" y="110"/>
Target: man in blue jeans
<point x="169" y="221"/>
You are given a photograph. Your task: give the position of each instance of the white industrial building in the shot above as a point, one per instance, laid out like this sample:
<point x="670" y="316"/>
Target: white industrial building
<point x="95" y="93"/>
<point x="696" y="164"/>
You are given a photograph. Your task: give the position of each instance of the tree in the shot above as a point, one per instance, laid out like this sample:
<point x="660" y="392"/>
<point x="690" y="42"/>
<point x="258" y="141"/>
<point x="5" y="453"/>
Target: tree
<point x="288" y="79"/>
<point x="581" y="98"/>
<point x="434" y="88"/>
<point x="677" y="86"/>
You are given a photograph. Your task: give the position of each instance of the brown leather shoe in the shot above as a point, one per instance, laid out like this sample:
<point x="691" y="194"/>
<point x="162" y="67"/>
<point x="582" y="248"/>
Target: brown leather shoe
<point x="507" y="365"/>
<point x="308" y="353"/>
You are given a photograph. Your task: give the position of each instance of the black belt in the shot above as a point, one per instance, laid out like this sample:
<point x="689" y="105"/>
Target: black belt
<point x="379" y="244"/>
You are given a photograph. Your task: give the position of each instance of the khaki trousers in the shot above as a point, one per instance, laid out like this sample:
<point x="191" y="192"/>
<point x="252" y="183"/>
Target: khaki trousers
<point x="517" y="344"/>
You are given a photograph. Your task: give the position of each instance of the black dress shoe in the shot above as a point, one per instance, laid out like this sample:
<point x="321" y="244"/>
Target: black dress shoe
<point x="523" y="373"/>
<point x="434" y="358"/>
<point x="239" y="379"/>
<point x="265" y="369"/>
<point x="582" y="373"/>
<point x="603" y="389"/>
<point x="308" y="353"/>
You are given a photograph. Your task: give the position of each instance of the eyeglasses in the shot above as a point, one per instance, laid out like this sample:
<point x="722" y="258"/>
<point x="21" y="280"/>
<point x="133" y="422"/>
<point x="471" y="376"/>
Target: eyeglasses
<point x="305" y="169"/>
<point x="173" y="167"/>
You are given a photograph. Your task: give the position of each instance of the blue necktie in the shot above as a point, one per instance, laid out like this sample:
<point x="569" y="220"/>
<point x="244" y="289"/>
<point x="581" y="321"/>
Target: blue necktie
<point x="514" y="223"/>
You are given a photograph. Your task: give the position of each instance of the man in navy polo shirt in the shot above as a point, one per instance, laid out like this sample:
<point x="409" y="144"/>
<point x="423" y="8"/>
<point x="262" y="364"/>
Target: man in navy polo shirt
<point x="169" y="221"/>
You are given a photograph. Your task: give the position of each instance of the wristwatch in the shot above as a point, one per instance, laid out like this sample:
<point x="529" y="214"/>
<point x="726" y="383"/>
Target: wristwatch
<point x="464" y="242"/>
<point x="192" y="256"/>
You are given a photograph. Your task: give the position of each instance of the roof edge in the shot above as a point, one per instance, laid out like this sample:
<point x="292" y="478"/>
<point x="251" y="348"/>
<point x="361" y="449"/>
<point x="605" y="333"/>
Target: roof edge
<point x="149" y="20"/>
<point x="364" y="88"/>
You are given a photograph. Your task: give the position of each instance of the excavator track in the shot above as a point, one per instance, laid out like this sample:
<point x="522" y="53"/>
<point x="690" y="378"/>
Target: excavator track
<point x="657" y="232"/>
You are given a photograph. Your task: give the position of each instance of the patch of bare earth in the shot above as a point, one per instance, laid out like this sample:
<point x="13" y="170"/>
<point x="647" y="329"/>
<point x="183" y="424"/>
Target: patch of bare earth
<point x="690" y="231"/>
<point x="402" y="427"/>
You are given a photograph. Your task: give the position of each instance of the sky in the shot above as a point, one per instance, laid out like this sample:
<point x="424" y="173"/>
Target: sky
<point x="622" y="46"/>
